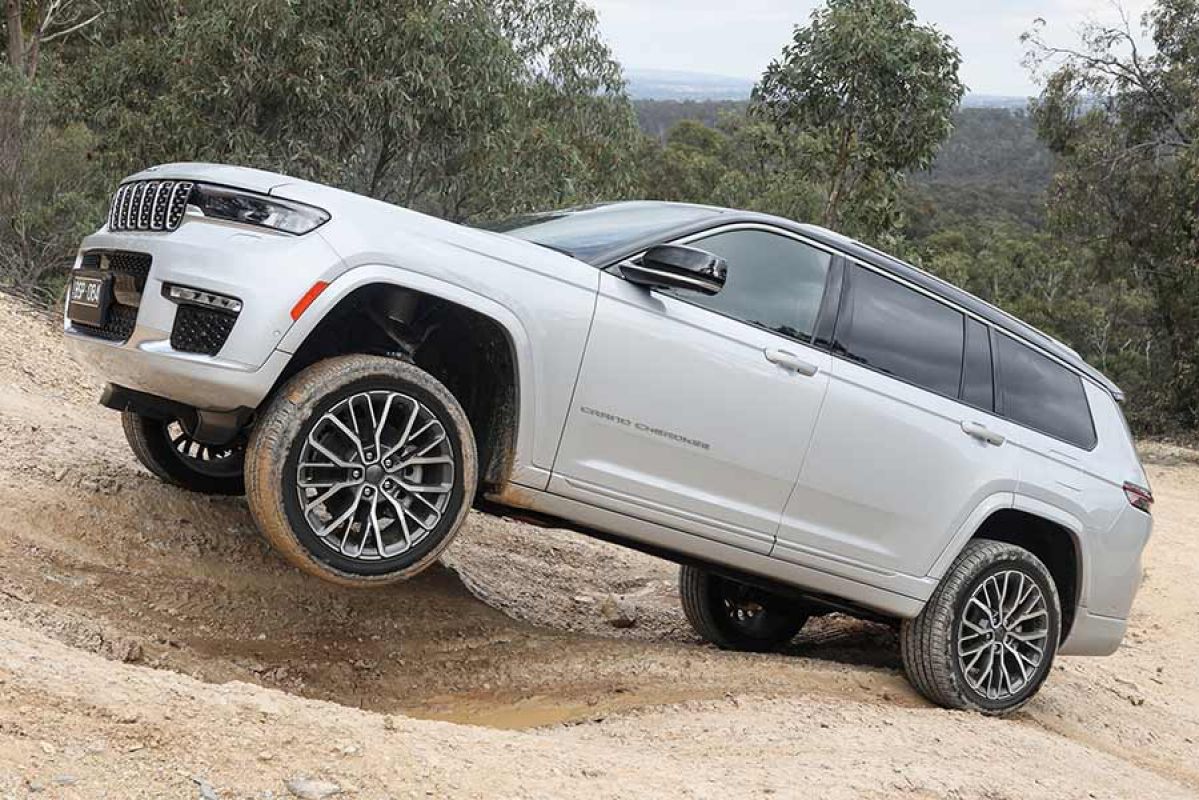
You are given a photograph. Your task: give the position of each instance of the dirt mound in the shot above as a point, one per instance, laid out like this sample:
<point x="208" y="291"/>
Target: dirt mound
<point x="103" y="565"/>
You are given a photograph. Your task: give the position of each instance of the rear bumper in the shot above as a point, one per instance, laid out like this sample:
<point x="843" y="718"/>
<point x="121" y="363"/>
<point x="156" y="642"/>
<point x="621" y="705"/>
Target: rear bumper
<point x="1094" y="635"/>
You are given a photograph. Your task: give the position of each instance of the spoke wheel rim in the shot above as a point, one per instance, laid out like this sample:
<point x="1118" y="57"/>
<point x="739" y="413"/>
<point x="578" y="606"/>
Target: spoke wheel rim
<point x="1003" y="635"/>
<point x="218" y="462"/>
<point x="375" y="475"/>
<point x="744" y="607"/>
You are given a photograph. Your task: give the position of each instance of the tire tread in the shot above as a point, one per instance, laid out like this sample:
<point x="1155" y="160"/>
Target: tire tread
<point x="926" y="642"/>
<point x="282" y="421"/>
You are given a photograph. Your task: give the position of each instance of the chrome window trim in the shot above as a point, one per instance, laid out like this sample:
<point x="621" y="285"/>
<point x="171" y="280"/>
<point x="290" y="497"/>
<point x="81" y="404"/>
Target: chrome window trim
<point x="967" y="313"/>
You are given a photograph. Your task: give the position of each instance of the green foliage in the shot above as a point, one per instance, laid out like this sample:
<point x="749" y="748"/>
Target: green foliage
<point x="456" y="107"/>
<point x="50" y="195"/>
<point x="658" y="117"/>
<point x="740" y="164"/>
<point x="1125" y="126"/>
<point x="870" y="93"/>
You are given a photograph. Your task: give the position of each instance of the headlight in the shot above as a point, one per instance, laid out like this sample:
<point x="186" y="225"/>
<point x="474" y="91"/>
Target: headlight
<point x="248" y="208"/>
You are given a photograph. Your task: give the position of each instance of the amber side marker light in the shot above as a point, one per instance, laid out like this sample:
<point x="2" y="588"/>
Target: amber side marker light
<point x="308" y="299"/>
<point x="1139" y="496"/>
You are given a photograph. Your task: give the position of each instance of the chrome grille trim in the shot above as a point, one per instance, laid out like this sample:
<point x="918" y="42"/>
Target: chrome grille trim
<point x="149" y="206"/>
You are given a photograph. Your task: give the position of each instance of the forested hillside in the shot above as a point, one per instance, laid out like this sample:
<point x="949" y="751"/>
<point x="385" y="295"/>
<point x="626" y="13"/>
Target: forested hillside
<point x="1078" y="214"/>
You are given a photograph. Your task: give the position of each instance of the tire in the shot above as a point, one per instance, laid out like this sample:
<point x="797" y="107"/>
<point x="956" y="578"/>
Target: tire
<point x="958" y="657"/>
<point x="166" y="449"/>
<point x="388" y="536"/>
<point x="735" y="616"/>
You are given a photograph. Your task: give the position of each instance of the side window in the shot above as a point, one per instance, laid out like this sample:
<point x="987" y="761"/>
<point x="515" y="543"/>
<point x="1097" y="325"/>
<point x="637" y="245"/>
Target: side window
<point x="893" y="329"/>
<point x="1039" y="393"/>
<point x="978" y="383"/>
<point x="774" y="282"/>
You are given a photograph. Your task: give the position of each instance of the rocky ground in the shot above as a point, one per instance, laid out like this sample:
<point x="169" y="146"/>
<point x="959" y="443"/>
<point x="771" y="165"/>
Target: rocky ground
<point x="151" y="645"/>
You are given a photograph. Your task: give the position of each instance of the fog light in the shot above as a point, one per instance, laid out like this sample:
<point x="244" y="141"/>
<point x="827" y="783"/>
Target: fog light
<point x="182" y="294"/>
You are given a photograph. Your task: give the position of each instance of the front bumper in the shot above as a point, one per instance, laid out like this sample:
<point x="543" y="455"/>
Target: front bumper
<point x="151" y="366"/>
<point x="268" y="272"/>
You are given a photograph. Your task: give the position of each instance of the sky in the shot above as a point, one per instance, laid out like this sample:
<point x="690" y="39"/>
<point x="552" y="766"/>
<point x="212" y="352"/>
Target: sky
<point x="738" y="38"/>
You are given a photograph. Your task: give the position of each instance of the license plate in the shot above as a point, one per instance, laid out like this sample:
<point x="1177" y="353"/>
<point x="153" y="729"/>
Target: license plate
<point x="86" y="291"/>
<point x="88" y="299"/>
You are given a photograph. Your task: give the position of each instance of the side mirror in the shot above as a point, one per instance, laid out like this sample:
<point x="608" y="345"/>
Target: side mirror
<point x="672" y="266"/>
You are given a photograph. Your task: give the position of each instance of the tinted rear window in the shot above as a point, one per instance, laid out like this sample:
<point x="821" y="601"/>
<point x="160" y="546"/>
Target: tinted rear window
<point x="1041" y="394"/>
<point x="893" y="329"/>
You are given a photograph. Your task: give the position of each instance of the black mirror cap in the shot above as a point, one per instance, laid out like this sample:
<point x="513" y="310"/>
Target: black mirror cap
<point x="673" y="266"/>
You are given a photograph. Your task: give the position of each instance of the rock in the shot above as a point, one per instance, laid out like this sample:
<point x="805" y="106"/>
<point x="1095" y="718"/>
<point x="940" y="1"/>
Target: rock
<point x="206" y="790"/>
<point x="618" y="612"/>
<point x="126" y="650"/>
<point x="310" y="789"/>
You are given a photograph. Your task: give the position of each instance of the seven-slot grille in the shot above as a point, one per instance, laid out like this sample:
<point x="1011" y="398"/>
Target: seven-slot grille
<point x="149" y="206"/>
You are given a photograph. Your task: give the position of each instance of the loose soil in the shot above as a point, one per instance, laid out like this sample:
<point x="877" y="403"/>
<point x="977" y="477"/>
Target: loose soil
<point x="152" y="645"/>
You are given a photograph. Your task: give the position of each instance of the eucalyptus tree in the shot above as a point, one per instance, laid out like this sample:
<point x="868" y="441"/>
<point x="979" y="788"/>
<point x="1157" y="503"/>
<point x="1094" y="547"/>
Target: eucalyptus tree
<point x="870" y="93"/>
<point x="457" y="107"/>
<point x="1124" y="123"/>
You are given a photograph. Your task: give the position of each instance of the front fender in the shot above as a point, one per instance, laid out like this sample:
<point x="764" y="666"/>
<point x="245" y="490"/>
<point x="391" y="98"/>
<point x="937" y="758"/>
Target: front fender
<point x="543" y="397"/>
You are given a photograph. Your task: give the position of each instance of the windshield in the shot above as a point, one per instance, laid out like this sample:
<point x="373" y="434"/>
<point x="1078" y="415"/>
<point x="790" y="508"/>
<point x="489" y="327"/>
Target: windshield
<point x="589" y="234"/>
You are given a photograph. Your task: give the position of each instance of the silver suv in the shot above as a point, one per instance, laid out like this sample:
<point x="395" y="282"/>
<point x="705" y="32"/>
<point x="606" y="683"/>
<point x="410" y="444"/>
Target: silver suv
<point x="803" y="423"/>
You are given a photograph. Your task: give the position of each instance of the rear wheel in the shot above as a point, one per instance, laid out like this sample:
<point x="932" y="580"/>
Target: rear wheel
<point x="987" y="638"/>
<point x="737" y="616"/>
<point x="361" y="470"/>
<point x="167" y="449"/>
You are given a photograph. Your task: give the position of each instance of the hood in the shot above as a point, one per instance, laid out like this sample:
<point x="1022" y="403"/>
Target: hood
<point x="254" y="180"/>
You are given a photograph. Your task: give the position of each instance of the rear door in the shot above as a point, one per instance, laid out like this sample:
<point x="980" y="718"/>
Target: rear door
<point x="908" y="444"/>
<point x="693" y="411"/>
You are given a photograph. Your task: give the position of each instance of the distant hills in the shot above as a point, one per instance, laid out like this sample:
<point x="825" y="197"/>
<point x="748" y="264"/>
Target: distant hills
<point x="659" y="84"/>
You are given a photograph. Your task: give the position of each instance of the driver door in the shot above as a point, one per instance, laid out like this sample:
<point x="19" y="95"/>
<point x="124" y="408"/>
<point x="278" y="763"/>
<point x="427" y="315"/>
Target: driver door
<point x="696" y="412"/>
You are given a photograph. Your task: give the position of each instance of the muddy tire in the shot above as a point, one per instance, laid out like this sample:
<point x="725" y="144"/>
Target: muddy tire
<point x="165" y="448"/>
<point x="735" y="616"/>
<point x="361" y="470"/>
<point x="987" y="638"/>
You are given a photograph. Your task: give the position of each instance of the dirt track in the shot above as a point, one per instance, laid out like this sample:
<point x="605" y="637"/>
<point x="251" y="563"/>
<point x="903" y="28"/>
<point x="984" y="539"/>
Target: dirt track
<point x="104" y="565"/>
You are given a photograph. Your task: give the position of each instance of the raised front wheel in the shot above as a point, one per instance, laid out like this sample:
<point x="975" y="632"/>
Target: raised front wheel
<point x="361" y="470"/>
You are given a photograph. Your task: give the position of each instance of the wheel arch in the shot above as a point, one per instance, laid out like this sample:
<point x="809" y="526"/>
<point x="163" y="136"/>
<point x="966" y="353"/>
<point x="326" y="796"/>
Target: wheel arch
<point x="391" y="311"/>
<point x="1053" y="540"/>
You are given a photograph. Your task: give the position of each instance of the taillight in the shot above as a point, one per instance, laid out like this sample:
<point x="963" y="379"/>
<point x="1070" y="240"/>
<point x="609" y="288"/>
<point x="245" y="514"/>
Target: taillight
<point x="1139" y="496"/>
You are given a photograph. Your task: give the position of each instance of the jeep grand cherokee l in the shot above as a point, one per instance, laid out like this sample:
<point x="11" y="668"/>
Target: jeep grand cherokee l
<point x="805" y="424"/>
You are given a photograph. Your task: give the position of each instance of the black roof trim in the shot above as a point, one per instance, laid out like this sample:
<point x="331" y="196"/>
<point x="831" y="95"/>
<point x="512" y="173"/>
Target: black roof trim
<point x="864" y="253"/>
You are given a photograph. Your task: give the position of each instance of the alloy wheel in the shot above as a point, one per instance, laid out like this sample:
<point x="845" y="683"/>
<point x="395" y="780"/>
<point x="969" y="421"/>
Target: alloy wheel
<point x="375" y="475"/>
<point x="1003" y="635"/>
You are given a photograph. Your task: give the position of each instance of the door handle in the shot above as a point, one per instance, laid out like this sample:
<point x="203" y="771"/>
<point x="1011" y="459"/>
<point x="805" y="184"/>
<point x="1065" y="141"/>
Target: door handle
<point x="790" y="361"/>
<point x="983" y="433"/>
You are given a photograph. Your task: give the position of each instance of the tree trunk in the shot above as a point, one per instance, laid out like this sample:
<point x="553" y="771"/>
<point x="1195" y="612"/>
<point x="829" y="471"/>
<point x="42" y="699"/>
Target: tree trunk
<point x="16" y="35"/>
<point x="832" y="209"/>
